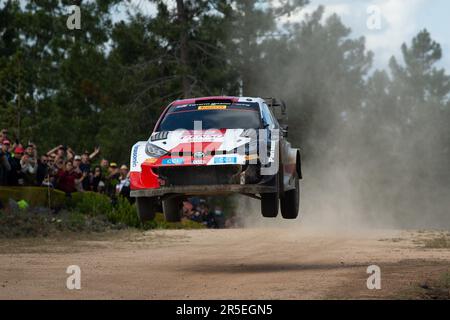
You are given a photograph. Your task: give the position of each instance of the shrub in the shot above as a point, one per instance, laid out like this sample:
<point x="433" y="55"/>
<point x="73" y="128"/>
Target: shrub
<point x="124" y="212"/>
<point x="160" y="223"/>
<point x="34" y="196"/>
<point x="91" y="203"/>
<point x="76" y="221"/>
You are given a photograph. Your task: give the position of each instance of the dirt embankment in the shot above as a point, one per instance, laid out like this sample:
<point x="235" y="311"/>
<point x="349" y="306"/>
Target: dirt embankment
<point x="281" y="263"/>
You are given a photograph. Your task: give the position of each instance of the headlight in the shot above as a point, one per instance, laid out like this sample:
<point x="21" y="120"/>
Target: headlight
<point x="154" y="151"/>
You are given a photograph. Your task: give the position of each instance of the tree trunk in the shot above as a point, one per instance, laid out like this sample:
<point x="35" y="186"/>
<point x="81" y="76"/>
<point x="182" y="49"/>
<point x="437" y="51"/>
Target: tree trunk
<point x="184" y="53"/>
<point x="19" y="99"/>
<point x="246" y="50"/>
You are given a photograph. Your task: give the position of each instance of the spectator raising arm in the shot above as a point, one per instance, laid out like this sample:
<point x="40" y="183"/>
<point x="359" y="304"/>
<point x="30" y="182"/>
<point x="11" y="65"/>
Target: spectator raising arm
<point x="70" y="154"/>
<point x="53" y="151"/>
<point x="95" y="153"/>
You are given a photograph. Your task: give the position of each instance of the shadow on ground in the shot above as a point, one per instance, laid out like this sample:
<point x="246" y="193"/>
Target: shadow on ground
<point x="223" y="267"/>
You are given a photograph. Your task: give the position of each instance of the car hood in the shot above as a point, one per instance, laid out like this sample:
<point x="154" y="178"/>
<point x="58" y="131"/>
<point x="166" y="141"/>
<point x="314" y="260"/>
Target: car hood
<point x="200" y="140"/>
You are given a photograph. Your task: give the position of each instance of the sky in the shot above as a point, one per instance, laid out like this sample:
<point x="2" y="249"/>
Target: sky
<point x="400" y="21"/>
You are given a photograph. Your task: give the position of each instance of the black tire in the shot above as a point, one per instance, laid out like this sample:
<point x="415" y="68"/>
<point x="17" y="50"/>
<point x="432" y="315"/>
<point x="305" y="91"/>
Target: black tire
<point x="290" y="202"/>
<point x="270" y="201"/>
<point x="269" y="205"/>
<point x="146" y="207"/>
<point x="172" y="209"/>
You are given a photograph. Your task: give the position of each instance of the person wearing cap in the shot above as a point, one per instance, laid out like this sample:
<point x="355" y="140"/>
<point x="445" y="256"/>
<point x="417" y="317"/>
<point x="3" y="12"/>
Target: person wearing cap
<point x="112" y="179"/>
<point x="15" y="176"/>
<point x="76" y="163"/>
<point x="6" y="145"/>
<point x="113" y="166"/>
<point x="82" y="185"/>
<point x="123" y="171"/>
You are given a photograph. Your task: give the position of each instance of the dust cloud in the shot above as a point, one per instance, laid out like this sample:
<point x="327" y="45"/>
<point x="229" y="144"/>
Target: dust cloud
<point x="367" y="168"/>
<point x="367" y="183"/>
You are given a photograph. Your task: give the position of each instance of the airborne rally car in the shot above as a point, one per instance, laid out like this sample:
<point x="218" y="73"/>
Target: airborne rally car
<point x="214" y="146"/>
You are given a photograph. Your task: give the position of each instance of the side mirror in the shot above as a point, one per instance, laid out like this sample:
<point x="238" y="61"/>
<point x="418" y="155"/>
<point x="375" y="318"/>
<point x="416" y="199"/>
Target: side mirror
<point x="285" y="130"/>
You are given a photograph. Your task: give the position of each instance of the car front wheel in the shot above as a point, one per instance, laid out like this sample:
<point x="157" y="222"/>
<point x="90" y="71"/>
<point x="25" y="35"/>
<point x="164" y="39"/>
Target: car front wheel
<point x="146" y="207"/>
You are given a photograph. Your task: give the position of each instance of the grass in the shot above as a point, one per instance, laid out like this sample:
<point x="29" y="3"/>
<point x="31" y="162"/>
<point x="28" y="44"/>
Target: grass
<point x="441" y="241"/>
<point x="437" y="288"/>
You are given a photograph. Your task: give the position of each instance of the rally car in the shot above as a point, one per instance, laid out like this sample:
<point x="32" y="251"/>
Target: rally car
<point x="216" y="146"/>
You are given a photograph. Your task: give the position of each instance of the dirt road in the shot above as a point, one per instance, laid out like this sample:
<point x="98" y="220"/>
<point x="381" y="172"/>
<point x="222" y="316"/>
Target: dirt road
<point x="261" y="263"/>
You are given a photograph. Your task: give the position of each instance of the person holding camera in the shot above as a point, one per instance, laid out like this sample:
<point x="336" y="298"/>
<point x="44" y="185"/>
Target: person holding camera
<point x="28" y="166"/>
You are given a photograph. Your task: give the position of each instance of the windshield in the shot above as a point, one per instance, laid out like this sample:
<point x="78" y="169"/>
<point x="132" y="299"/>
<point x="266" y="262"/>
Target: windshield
<point x="239" y="115"/>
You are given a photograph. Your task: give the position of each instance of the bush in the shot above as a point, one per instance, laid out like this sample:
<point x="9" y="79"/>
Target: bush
<point x="34" y="196"/>
<point x="91" y="203"/>
<point x="75" y="221"/>
<point x="160" y="223"/>
<point x="124" y="212"/>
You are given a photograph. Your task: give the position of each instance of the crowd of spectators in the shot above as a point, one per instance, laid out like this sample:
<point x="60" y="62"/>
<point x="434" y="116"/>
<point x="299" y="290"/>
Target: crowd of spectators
<point x="60" y="168"/>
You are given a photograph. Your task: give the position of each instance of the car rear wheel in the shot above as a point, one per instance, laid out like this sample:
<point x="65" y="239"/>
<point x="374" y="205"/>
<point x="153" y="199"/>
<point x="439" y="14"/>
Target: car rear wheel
<point x="172" y="209"/>
<point x="146" y="207"/>
<point x="290" y="202"/>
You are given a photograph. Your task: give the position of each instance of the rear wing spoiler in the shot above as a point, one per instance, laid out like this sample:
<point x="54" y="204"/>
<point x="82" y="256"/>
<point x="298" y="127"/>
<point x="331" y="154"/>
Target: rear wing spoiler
<point x="278" y="108"/>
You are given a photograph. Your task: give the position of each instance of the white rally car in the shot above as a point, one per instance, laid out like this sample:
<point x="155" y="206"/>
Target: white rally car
<point x="213" y="146"/>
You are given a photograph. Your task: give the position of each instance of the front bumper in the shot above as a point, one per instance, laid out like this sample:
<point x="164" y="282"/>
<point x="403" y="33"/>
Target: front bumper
<point x="204" y="190"/>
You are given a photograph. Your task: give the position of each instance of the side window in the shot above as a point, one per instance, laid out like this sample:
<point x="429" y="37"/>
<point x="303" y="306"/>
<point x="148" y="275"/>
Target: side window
<point x="267" y="116"/>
